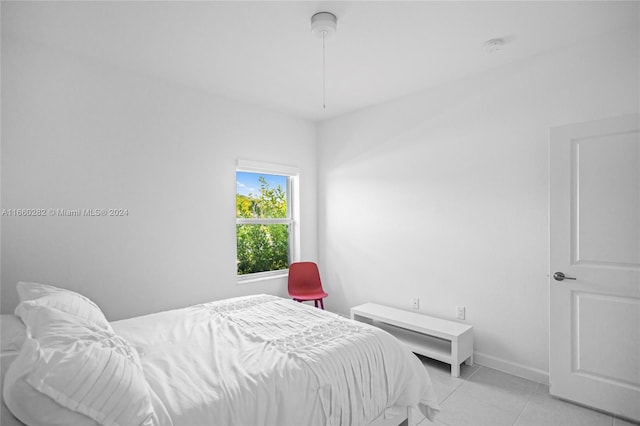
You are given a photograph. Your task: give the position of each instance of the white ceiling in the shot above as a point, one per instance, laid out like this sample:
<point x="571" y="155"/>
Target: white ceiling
<point x="263" y="52"/>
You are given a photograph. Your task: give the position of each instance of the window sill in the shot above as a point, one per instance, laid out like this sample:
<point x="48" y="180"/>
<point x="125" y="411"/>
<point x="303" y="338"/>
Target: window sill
<point x="254" y="278"/>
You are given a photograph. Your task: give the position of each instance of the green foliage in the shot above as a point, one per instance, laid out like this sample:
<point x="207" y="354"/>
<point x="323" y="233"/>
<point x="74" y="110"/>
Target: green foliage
<point x="262" y="247"/>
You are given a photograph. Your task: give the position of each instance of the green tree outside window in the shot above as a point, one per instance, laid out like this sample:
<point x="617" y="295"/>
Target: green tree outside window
<point x="262" y="246"/>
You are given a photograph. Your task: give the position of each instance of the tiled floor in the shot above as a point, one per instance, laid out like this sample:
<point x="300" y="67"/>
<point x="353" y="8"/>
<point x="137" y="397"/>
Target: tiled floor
<point x="483" y="396"/>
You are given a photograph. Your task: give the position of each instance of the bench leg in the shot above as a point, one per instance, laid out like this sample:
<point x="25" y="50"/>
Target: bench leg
<point x="455" y="363"/>
<point x="469" y="360"/>
<point x="455" y="369"/>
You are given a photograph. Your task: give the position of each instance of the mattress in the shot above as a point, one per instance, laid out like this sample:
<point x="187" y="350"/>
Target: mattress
<point x="263" y="360"/>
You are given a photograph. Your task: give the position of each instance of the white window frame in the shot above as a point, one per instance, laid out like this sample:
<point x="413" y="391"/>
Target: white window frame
<point x="293" y="210"/>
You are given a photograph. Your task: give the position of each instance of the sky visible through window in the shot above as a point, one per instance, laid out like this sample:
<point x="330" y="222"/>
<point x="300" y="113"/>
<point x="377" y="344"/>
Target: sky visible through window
<point x="247" y="183"/>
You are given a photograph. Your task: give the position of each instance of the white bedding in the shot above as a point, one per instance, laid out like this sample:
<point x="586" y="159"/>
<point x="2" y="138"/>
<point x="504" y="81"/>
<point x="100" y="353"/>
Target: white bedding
<point x="263" y="360"/>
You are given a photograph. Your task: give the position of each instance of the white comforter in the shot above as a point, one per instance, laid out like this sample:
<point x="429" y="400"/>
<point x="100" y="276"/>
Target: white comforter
<point x="265" y="360"/>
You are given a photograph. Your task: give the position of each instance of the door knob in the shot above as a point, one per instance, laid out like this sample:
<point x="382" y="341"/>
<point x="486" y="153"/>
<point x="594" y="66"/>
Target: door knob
<point x="559" y="276"/>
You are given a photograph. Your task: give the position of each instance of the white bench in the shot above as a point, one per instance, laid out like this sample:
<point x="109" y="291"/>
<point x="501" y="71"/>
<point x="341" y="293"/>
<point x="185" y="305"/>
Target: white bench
<point x="440" y="339"/>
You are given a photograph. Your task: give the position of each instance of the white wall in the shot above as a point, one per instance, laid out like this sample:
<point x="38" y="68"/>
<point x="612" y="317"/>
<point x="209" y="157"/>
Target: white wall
<point x="443" y="195"/>
<point x="80" y="134"/>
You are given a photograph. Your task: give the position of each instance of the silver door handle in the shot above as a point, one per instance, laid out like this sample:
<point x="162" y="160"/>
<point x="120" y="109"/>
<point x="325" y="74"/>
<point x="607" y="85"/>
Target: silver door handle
<point x="559" y="276"/>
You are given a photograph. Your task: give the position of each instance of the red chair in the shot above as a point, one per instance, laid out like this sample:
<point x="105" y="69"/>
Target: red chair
<point x="304" y="283"/>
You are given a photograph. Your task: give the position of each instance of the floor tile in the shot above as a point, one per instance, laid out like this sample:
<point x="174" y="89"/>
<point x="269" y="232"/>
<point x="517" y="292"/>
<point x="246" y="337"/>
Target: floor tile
<point x="488" y="397"/>
<point x="483" y="396"/>
<point x="443" y="382"/>
<point x="544" y="410"/>
<point x="497" y="380"/>
<point x="463" y="410"/>
<point x="444" y="388"/>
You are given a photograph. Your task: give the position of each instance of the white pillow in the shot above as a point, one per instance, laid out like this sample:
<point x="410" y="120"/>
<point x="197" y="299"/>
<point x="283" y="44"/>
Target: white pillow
<point x="76" y="373"/>
<point x="61" y="299"/>
<point x="26" y="403"/>
<point x="12" y="332"/>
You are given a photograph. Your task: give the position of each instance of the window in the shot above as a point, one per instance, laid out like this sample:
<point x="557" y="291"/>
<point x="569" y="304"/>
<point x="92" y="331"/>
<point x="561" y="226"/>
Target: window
<point x="266" y="219"/>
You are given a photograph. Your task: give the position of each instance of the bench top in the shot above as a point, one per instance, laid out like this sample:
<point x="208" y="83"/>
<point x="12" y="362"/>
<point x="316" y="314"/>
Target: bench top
<point x="412" y="320"/>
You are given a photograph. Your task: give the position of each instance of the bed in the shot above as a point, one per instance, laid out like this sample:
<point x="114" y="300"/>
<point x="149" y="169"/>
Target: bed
<point x="253" y="360"/>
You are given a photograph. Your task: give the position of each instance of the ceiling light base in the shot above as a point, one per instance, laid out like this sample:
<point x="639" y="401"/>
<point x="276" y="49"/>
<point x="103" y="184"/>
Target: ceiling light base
<point x="324" y="24"/>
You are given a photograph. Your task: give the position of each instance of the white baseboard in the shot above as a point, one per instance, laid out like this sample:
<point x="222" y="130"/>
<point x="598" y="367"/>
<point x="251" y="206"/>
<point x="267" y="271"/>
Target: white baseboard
<point x="513" y="368"/>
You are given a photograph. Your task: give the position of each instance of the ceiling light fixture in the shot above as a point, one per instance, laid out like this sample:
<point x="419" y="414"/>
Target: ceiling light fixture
<point x="324" y="24"/>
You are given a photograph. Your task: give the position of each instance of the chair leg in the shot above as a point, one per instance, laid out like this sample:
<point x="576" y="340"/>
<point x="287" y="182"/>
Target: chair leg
<point x="322" y="304"/>
<point x="315" y="302"/>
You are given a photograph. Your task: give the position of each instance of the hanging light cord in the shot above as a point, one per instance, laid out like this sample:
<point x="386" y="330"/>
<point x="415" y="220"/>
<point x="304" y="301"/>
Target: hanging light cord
<point x="324" y="24"/>
<point x="324" y="87"/>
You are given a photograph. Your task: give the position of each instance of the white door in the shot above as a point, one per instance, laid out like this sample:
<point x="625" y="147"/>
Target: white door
<point x="595" y="242"/>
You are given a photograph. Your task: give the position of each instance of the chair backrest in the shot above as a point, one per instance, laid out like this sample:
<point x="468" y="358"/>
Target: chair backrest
<point x="304" y="278"/>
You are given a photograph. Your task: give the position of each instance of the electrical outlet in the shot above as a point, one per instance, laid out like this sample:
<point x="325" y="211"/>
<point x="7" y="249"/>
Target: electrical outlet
<point x="415" y="303"/>
<point x="460" y="312"/>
